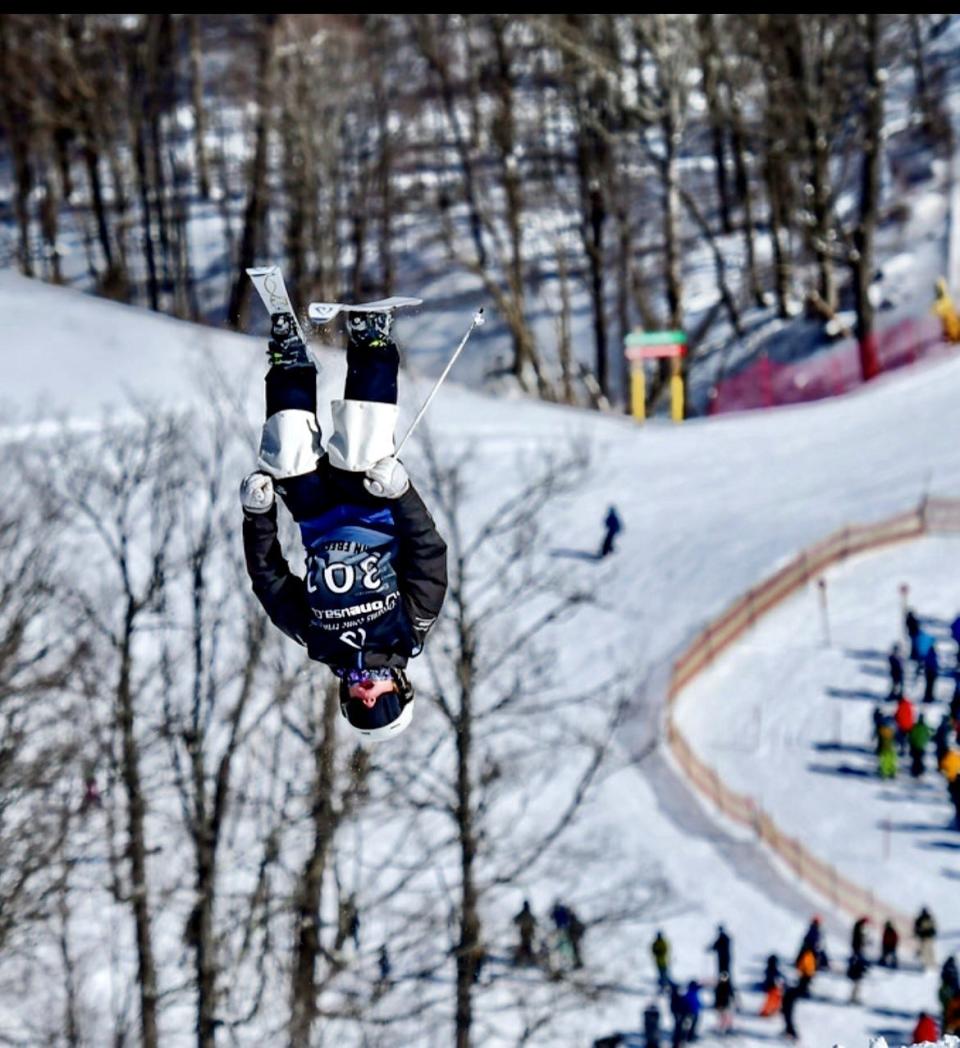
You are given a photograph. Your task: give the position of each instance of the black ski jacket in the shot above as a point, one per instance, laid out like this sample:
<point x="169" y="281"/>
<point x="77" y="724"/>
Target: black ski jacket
<point x="375" y="581"/>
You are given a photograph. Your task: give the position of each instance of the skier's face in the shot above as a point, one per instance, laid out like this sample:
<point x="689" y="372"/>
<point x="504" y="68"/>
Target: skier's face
<point x="368" y="691"/>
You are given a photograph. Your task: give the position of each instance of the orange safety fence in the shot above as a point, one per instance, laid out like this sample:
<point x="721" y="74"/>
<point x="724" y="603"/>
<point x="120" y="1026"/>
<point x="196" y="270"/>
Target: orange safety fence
<point x="932" y="516"/>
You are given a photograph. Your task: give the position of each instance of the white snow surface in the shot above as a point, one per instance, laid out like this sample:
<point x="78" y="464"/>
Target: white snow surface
<point x="709" y="508"/>
<point x="788" y="719"/>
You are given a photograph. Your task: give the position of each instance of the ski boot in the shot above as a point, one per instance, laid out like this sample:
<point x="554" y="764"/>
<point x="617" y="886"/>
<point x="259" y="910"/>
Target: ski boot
<point x="369" y="329"/>
<point x="286" y="348"/>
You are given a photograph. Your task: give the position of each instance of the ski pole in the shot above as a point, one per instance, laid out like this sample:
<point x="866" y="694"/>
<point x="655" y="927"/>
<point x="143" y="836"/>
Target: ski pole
<point x="475" y="323"/>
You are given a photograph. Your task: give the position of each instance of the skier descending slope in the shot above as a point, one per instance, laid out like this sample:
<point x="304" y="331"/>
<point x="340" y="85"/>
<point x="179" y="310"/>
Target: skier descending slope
<point x="376" y="567"/>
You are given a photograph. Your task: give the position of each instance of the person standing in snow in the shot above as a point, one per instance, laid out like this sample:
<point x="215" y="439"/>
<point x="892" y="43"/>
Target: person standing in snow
<point x="651" y="1026"/>
<point x="953" y="789"/>
<point x="896" y="672"/>
<point x="613" y="525"/>
<point x="376" y="570"/>
<point x="678" y="1010"/>
<point x="925" y="929"/>
<point x="926" y="1030"/>
<point x="941" y="737"/>
<point x="813" y="940"/>
<point x="904" y="718"/>
<point x="527" y="928"/>
<point x="723" y="999"/>
<point x="889" y="942"/>
<point x="886" y="753"/>
<point x="931" y="670"/>
<point x="918" y="738"/>
<point x="790" y="997"/>
<point x="856" y="969"/>
<point x="858" y="937"/>
<point x="772" y="976"/>
<point x="949" y="986"/>
<point x="924" y="644"/>
<point x="722" y="947"/>
<point x="955" y="633"/>
<point x="806" y="970"/>
<point x="912" y="625"/>
<point x="660" y="948"/>
<point x="691" y="998"/>
<point x="569" y="929"/>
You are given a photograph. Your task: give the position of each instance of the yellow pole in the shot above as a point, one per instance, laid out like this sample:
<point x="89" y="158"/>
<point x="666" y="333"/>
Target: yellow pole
<point x="676" y="391"/>
<point x="638" y="391"/>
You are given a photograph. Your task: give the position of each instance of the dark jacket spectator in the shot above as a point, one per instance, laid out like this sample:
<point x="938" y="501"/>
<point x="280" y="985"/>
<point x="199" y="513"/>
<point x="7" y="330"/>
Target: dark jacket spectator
<point x="925" y="929"/>
<point x="772" y="974"/>
<point x="896" y="672"/>
<point x="613" y="525"/>
<point x="856" y="970"/>
<point x="651" y="1026"/>
<point x="790" y="997"/>
<point x="858" y="938"/>
<point x="526" y="926"/>
<point x="722" y="947"/>
<point x="931" y="670"/>
<point x="889" y="942"/>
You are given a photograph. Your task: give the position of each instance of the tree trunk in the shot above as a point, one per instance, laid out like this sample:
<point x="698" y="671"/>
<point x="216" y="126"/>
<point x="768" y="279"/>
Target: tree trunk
<point x="468" y="947"/>
<point x="307" y="948"/>
<point x="432" y="49"/>
<point x="136" y="836"/>
<point x="255" y="215"/>
<point x="17" y="123"/>
<point x="863" y="237"/>
<point x="775" y="175"/>
<point x="818" y="154"/>
<point x="709" y="59"/>
<point x="194" y="30"/>
<point x="670" y="174"/>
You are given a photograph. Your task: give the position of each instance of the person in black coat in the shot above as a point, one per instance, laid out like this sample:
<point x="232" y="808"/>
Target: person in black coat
<point x="931" y="670"/>
<point x="722" y="947"/>
<point x="651" y="1026"/>
<point x="790" y="997"/>
<point x="896" y="672"/>
<point x="613" y="525"/>
<point x="376" y="570"/>
<point x="912" y="624"/>
<point x="856" y="970"/>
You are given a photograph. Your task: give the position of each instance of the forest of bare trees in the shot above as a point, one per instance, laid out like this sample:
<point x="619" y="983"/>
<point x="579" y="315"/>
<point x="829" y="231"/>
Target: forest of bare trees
<point x="191" y="850"/>
<point x="552" y="162"/>
<point x="194" y="851"/>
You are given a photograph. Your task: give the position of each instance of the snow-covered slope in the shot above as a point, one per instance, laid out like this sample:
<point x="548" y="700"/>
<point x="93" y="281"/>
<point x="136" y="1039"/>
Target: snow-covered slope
<point x="709" y="508"/>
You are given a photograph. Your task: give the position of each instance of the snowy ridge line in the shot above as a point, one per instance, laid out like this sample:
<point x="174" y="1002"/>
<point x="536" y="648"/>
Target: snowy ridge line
<point x="936" y="515"/>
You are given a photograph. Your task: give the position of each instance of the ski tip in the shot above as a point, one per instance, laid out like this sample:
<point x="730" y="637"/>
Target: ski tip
<point x="322" y="312"/>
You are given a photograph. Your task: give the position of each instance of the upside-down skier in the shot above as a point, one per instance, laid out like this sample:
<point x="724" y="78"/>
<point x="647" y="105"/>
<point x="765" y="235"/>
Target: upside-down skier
<point x="375" y="565"/>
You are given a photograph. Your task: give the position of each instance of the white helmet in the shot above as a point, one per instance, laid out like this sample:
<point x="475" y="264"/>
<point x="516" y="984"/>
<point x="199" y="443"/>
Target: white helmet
<point x="390" y="716"/>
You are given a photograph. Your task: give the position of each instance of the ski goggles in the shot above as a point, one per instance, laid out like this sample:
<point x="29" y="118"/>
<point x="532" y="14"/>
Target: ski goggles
<point x="350" y="677"/>
<point x="384" y="711"/>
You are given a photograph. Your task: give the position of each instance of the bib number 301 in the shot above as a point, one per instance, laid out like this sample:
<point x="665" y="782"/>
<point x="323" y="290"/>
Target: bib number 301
<point x="340" y="578"/>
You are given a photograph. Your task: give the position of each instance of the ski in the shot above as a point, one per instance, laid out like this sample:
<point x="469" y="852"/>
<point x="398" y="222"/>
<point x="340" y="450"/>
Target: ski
<point x="268" y="280"/>
<point x="324" y="312"/>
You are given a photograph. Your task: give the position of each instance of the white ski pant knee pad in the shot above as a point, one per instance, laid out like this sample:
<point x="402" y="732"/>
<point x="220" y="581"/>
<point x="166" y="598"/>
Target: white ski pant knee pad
<point x="290" y="444"/>
<point x="362" y="433"/>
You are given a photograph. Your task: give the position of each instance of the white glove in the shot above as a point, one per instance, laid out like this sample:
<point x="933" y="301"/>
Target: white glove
<point x="387" y="479"/>
<point x="256" y="492"/>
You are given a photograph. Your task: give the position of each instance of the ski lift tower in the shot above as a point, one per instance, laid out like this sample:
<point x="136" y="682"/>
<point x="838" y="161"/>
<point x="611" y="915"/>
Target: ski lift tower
<point x="655" y="345"/>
